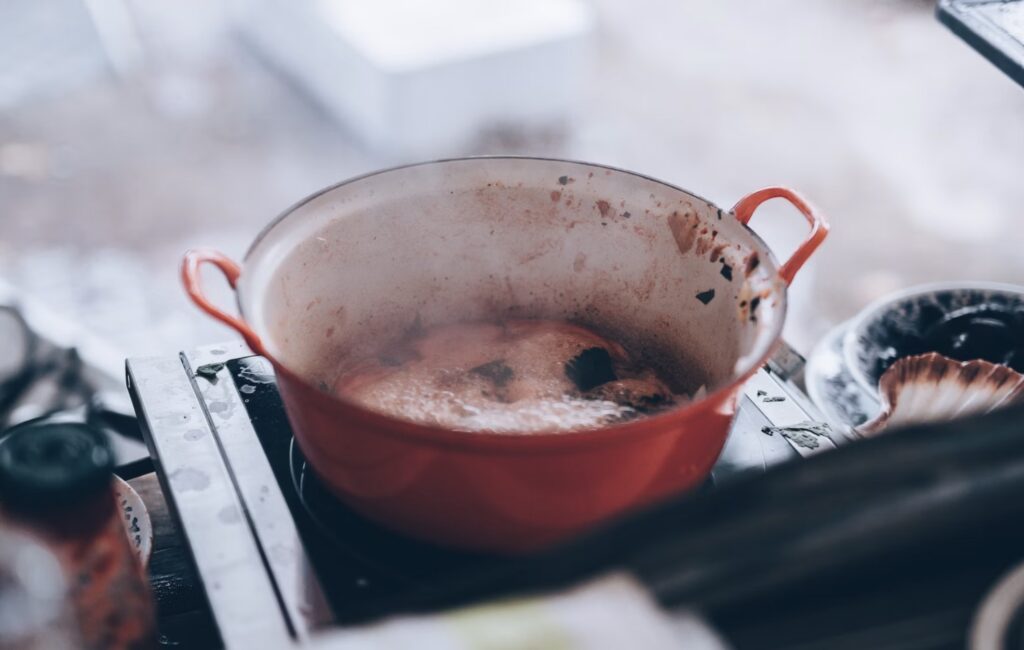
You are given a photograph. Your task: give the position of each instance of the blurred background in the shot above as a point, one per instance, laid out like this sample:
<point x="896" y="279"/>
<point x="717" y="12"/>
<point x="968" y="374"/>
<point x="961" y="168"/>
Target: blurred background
<point x="131" y="130"/>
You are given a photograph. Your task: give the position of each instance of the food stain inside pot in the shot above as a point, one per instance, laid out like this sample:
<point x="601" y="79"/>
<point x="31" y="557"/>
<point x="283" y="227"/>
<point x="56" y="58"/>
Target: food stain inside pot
<point x="516" y="376"/>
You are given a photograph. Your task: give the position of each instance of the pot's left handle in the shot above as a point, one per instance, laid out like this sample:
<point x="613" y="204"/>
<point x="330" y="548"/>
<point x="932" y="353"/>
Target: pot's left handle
<point x="190" y="264"/>
<point x="744" y="210"/>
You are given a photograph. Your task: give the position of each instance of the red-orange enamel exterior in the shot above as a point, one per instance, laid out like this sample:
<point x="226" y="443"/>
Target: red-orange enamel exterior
<point x="501" y="493"/>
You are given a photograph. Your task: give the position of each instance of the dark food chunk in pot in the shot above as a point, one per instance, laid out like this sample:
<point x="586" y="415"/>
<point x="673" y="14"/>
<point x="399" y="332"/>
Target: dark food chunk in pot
<point x="590" y="368"/>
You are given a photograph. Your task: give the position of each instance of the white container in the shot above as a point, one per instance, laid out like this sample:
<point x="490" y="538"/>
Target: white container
<point x="413" y="78"/>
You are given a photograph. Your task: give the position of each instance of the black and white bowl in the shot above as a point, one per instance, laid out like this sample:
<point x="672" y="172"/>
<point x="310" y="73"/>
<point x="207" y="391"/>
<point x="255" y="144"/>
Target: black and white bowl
<point x="960" y="321"/>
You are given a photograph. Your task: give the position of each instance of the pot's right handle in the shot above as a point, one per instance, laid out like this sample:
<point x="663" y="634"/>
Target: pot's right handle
<point x="744" y="210"/>
<point x="190" y="278"/>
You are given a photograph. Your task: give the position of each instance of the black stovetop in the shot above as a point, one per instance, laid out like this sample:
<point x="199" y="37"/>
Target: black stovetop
<point x="363" y="568"/>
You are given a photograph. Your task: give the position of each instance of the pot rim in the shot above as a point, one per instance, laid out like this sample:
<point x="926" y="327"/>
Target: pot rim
<point x="262" y="234"/>
<point x="648" y="426"/>
<point x="856" y="326"/>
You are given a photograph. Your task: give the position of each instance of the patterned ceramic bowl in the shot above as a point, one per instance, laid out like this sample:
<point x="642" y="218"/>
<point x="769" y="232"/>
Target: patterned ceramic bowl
<point x="960" y="321"/>
<point x="135" y="519"/>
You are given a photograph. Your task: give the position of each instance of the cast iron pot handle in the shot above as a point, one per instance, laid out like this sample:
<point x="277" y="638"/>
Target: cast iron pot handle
<point x="190" y="278"/>
<point x="744" y="210"/>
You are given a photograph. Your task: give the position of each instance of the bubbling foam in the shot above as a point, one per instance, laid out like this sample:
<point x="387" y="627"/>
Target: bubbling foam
<point x="517" y="376"/>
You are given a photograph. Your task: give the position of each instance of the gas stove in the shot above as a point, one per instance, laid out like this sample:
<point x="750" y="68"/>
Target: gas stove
<point x="282" y="562"/>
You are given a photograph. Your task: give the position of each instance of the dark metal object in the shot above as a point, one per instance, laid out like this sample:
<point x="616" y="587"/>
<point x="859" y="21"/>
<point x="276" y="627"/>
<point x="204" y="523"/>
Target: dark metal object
<point x="20" y="348"/>
<point x="52" y="383"/>
<point x="995" y="28"/>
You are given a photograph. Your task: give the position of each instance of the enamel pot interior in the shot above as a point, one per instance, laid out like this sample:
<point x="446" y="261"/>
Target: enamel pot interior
<point x="665" y="272"/>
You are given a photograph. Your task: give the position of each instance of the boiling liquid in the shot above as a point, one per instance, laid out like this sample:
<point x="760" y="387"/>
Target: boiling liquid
<point x="518" y="376"/>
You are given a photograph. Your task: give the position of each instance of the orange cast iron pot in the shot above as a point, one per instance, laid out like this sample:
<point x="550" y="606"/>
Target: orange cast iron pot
<point x="641" y="261"/>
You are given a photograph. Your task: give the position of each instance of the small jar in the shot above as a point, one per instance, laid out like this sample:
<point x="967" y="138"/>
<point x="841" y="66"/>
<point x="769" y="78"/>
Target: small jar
<point x="56" y="483"/>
